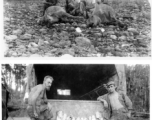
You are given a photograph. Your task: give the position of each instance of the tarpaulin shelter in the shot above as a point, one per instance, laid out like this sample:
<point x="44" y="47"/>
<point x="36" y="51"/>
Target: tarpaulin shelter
<point x="85" y="81"/>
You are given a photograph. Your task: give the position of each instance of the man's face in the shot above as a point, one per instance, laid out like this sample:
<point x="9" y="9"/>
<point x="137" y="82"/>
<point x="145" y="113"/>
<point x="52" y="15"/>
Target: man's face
<point x="48" y="83"/>
<point x="111" y="88"/>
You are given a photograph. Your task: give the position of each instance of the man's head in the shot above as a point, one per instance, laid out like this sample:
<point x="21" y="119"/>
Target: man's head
<point x="111" y="86"/>
<point x="48" y="82"/>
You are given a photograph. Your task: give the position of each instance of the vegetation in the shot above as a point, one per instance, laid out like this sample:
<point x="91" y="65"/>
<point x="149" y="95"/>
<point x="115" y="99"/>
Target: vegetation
<point x="138" y="86"/>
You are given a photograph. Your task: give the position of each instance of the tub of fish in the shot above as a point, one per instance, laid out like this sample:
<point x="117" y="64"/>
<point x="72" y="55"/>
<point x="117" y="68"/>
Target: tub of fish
<point x="77" y="110"/>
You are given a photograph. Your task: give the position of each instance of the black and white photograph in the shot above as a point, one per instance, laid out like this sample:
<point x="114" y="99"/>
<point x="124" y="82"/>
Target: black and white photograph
<point x="77" y="28"/>
<point x="75" y="91"/>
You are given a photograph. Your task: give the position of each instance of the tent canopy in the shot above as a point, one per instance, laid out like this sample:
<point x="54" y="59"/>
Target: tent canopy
<point x="78" y="78"/>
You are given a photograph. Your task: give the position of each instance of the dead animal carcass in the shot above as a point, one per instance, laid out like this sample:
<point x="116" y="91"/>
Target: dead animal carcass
<point x="103" y="14"/>
<point x="55" y="14"/>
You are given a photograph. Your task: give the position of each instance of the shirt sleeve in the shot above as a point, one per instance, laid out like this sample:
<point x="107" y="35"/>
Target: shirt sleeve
<point x="127" y="102"/>
<point x="102" y="97"/>
<point x="107" y="111"/>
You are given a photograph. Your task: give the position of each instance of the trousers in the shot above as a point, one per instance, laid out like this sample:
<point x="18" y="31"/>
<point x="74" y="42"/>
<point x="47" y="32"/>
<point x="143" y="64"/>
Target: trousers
<point x="120" y="114"/>
<point x="44" y="111"/>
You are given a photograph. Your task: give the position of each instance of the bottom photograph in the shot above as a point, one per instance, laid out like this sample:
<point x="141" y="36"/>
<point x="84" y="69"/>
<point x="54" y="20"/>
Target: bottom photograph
<point x="75" y="91"/>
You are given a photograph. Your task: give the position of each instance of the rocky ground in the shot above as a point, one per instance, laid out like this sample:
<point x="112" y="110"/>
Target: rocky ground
<point x="25" y="38"/>
<point x="26" y="118"/>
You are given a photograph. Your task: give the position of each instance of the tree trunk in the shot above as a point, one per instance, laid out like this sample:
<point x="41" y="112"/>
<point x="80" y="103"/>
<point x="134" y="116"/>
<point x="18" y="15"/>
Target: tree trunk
<point x="121" y="75"/>
<point x="31" y="78"/>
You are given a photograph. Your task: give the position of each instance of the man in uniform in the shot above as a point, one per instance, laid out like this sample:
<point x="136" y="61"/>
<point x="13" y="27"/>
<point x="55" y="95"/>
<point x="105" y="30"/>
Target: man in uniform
<point x="116" y="104"/>
<point x="38" y="107"/>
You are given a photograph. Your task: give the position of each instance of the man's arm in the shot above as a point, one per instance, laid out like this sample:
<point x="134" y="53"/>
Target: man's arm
<point x="128" y="104"/>
<point x="105" y="104"/>
<point x="45" y="98"/>
<point x="34" y="98"/>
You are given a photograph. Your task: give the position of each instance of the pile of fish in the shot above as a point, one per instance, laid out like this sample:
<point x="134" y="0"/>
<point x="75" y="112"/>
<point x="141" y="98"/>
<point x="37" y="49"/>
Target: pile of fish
<point x="64" y="116"/>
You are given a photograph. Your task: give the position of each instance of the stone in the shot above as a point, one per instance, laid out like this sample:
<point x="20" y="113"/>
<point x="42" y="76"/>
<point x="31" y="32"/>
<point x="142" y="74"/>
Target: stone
<point x="10" y="38"/>
<point x="21" y="49"/>
<point x="63" y="43"/>
<point x="123" y="38"/>
<point x="49" y="55"/>
<point x="92" y="49"/>
<point x="41" y="42"/>
<point x="33" y="44"/>
<point x="44" y="31"/>
<point x="33" y="50"/>
<point x="14" y="54"/>
<point x="51" y="42"/>
<point x="64" y="36"/>
<point x="25" y="55"/>
<point x="110" y="32"/>
<point x="71" y="29"/>
<point x="83" y="25"/>
<point x="114" y="37"/>
<point x="99" y="39"/>
<point x="125" y="33"/>
<point x="26" y="37"/>
<point x="78" y="30"/>
<point x="133" y="30"/>
<point x="83" y="42"/>
<point x="7" y="19"/>
<point x="141" y="37"/>
<point x="62" y="24"/>
<point x="5" y="47"/>
<point x="68" y="24"/>
<point x="46" y="42"/>
<point x="74" y="24"/>
<point x="70" y="51"/>
<point x="143" y="44"/>
<point x="98" y="34"/>
<point x="17" y="32"/>
<point x="54" y="50"/>
<point x="35" y="55"/>
<point x="47" y="38"/>
<point x="56" y="45"/>
<point x="66" y="55"/>
<point x="111" y="26"/>
<point x="30" y="31"/>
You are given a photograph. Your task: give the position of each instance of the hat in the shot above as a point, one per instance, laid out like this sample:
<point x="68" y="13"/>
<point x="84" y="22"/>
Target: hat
<point x="111" y="83"/>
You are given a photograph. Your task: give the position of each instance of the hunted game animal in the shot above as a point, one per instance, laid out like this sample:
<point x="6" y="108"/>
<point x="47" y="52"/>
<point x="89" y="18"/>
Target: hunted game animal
<point x="103" y="14"/>
<point x="54" y="14"/>
<point x="49" y="3"/>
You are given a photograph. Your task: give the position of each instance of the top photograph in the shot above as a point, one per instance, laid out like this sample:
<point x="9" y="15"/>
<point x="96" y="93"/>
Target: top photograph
<point x="77" y="28"/>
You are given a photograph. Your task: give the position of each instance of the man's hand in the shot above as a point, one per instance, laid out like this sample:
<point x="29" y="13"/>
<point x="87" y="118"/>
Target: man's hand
<point x="129" y="114"/>
<point x="35" y="114"/>
<point x="45" y="101"/>
<point x="104" y="102"/>
<point x="99" y="99"/>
